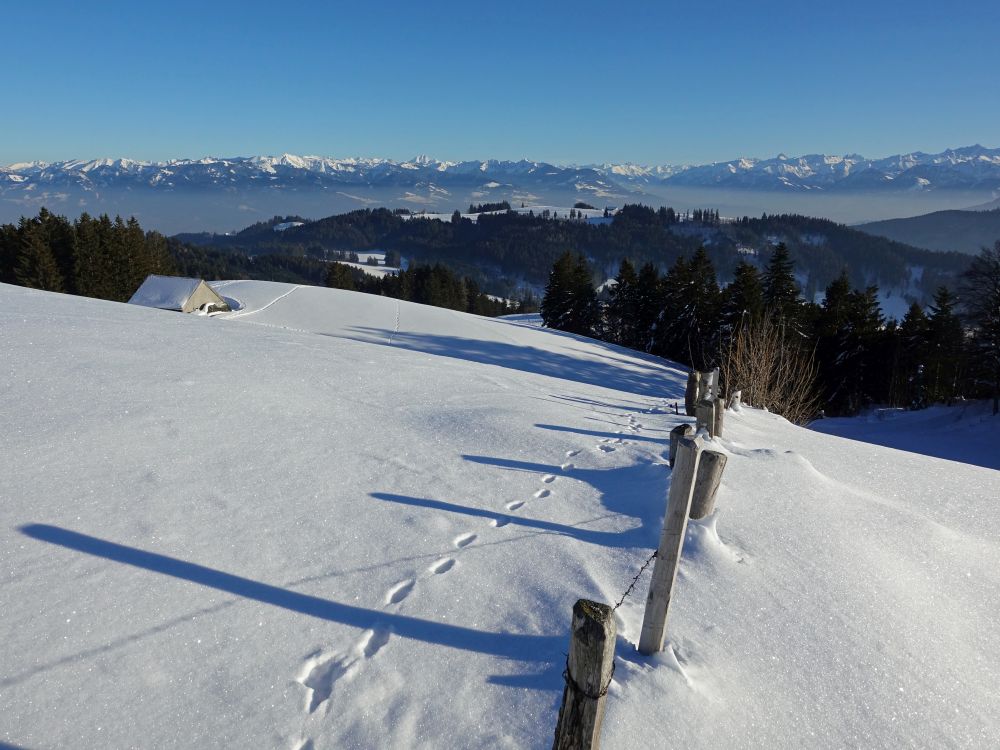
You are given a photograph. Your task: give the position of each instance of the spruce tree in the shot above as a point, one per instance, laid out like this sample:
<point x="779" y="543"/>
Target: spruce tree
<point x="649" y="304"/>
<point x="909" y="385"/>
<point x="669" y="337"/>
<point x="945" y="348"/>
<point x="570" y="302"/>
<point x="36" y="265"/>
<point x="980" y="293"/>
<point x="781" y="291"/>
<point x="743" y="298"/>
<point x="10" y="248"/>
<point x="340" y="276"/>
<point x="622" y="314"/>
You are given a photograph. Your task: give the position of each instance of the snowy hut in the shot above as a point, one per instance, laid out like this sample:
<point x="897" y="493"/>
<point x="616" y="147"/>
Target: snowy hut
<point x="178" y="293"/>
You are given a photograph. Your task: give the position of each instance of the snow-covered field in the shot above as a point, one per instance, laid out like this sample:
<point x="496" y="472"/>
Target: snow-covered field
<point x="336" y="520"/>
<point x="966" y="432"/>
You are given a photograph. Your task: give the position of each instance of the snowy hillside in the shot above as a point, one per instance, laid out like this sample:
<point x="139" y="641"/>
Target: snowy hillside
<point x="335" y="520"/>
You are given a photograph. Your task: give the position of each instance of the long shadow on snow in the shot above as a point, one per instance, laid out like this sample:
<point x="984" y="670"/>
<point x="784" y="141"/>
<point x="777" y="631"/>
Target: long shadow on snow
<point x="598" y="433"/>
<point x="520" y="647"/>
<point x="648" y="378"/>
<point x="639" y="490"/>
<point x="618" y="487"/>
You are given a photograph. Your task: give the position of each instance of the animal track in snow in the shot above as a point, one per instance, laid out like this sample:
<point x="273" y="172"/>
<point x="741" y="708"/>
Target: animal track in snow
<point x="607" y="448"/>
<point x="543" y="493"/>
<point x="549" y="478"/>
<point x="567" y="467"/>
<point x="515" y="505"/>
<point x="321" y="672"/>
<point x="570" y="454"/>
<point x="499" y="523"/>
<point x="442" y="566"/>
<point x="400" y="591"/>
<point x="464" y="540"/>
<point x="373" y="641"/>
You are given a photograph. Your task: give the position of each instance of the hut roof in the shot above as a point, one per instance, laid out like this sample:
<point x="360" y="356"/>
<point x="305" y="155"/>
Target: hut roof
<point x="169" y="292"/>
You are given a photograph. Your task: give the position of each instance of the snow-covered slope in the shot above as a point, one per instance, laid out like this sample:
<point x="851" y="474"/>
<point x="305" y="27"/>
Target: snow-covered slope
<point x="965" y="432"/>
<point x="335" y="520"/>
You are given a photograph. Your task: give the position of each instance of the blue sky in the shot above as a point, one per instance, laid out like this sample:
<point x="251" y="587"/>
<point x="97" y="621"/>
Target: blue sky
<point x="657" y="82"/>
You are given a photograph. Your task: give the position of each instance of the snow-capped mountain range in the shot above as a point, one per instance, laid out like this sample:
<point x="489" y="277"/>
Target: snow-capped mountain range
<point x="972" y="167"/>
<point x="265" y="185"/>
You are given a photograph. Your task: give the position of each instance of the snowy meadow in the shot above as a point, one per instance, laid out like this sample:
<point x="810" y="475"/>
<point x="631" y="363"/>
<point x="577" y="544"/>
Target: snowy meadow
<point x="330" y="519"/>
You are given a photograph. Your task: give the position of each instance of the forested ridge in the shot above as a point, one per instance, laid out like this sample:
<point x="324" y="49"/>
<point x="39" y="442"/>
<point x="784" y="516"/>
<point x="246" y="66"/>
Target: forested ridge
<point x="514" y="247"/>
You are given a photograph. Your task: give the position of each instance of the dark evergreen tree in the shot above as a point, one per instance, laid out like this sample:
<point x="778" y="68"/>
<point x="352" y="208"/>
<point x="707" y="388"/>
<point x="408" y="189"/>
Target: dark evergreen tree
<point x="980" y="294"/>
<point x="649" y="305"/>
<point x="570" y="302"/>
<point x="36" y="264"/>
<point x="688" y="326"/>
<point x="743" y="298"/>
<point x="865" y="380"/>
<point x="908" y="385"/>
<point x="669" y="335"/>
<point x="10" y="248"/>
<point x="622" y="315"/>
<point x="340" y="276"/>
<point x="945" y="348"/>
<point x="832" y="331"/>
<point x="781" y="291"/>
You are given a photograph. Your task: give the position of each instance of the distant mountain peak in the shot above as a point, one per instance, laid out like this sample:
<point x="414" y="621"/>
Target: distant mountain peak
<point x="257" y="185"/>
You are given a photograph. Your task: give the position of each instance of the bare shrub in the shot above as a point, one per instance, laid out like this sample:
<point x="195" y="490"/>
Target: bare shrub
<point x="772" y="368"/>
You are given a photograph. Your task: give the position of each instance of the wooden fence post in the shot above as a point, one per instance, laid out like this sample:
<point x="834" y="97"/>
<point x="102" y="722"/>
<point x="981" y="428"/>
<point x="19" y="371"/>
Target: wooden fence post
<point x="589" y="667"/>
<point x="736" y="400"/>
<point x="719" y="415"/>
<point x="691" y="392"/>
<point x="706" y="483"/>
<point x="668" y="554"/>
<point x="681" y="430"/>
<point x="705" y="415"/>
<point x="704" y="386"/>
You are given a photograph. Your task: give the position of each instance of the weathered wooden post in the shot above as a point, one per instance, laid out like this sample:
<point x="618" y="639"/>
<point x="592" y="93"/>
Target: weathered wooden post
<point x="736" y="400"/>
<point x="668" y="553"/>
<point x="704" y="386"/>
<point x="588" y="673"/>
<point x="691" y="392"/>
<point x="680" y="431"/>
<point x="719" y="417"/>
<point x="706" y="483"/>
<point x="705" y="415"/>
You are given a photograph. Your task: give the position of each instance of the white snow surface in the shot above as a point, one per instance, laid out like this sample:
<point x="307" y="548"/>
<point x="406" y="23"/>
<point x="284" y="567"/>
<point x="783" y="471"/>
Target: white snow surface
<point x="967" y="432"/>
<point x="336" y="520"/>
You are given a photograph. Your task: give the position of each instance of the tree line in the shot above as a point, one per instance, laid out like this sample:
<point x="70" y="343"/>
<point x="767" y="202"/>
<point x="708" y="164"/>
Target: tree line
<point x="110" y="258"/>
<point x="507" y="249"/>
<point x="854" y="355"/>
<point x="93" y="257"/>
<point x="434" y="285"/>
